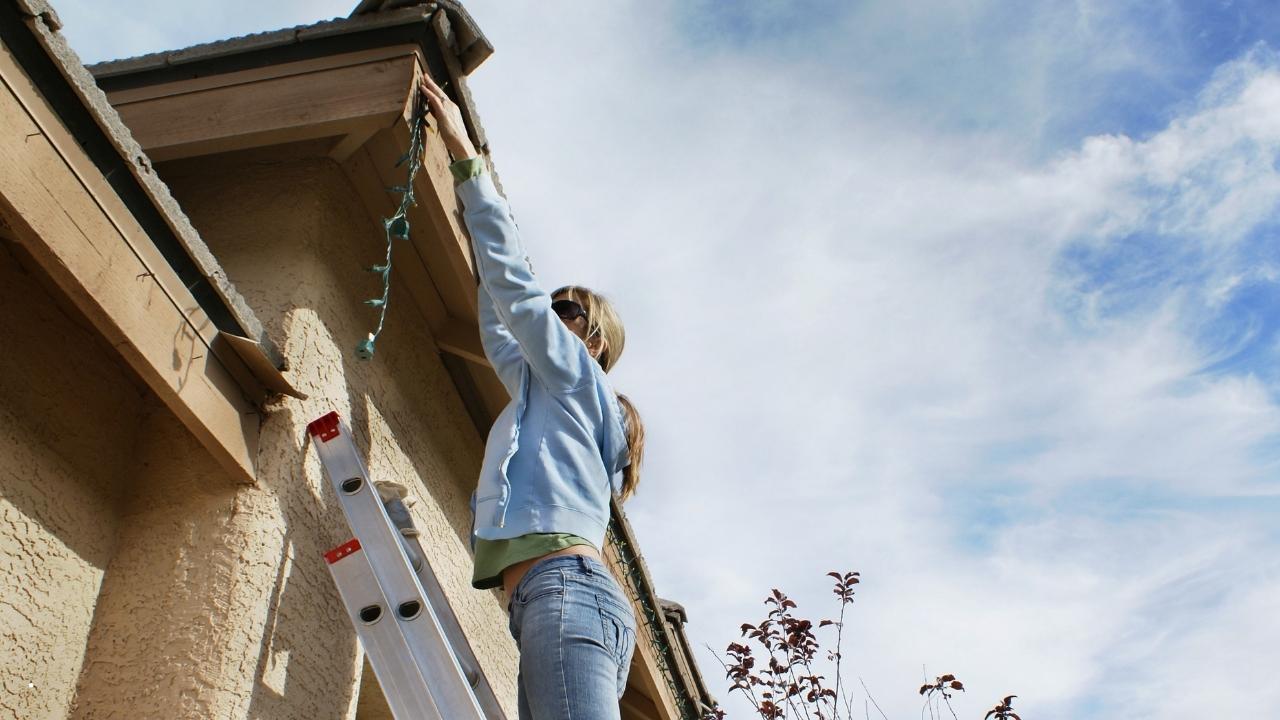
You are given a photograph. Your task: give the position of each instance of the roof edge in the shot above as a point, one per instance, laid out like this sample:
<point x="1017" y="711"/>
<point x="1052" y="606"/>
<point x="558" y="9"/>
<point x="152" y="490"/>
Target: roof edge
<point x="473" y="47"/>
<point x="697" y="695"/>
<point x="258" y="41"/>
<point x="221" y="296"/>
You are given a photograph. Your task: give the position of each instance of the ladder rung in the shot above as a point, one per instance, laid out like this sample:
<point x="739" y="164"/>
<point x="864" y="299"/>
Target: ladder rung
<point x="415" y="657"/>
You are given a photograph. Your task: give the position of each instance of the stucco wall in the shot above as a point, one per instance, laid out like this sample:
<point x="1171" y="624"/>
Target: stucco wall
<point x="293" y="239"/>
<point x="68" y="419"/>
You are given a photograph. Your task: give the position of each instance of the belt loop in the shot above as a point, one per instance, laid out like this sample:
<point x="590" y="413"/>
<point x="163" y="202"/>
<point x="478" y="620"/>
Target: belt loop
<point x="586" y="566"/>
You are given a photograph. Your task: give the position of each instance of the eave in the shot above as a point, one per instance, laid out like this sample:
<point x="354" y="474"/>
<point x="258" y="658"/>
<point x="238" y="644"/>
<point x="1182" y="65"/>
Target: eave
<point x="83" y="208"/>
<point x="346" y="90"/>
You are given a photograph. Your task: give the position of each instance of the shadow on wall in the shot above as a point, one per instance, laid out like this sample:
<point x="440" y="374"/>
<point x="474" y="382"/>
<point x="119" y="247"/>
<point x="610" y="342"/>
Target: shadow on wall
<point x="294" y="247"/>
<point x="305" y="621"/>
<point x="69" y="416"/>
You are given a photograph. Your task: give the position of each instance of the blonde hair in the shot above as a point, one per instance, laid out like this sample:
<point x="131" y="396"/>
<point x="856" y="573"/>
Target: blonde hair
<point x="635" y="447"/>
<point x="603" y="321"/>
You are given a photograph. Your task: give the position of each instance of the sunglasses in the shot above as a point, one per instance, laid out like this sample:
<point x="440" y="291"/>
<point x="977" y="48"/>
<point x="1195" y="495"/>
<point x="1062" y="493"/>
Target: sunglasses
<point x="568" y="310"/>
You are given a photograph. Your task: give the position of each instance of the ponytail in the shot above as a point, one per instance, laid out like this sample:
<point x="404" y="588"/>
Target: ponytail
<point x="603" y="322"/>
<point x="635" y="447"/>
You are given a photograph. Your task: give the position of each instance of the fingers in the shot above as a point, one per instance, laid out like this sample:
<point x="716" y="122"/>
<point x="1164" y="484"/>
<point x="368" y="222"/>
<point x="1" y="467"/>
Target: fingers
<point x="434" y="93"/>
<point x="430" y="82"/>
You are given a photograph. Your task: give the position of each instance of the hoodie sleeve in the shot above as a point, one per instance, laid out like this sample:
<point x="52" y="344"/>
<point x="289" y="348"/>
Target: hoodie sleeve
<point x="557" y="356"/>
<point x="499" y="346"/>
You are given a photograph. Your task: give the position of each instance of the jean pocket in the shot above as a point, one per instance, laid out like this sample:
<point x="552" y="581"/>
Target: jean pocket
<point x="628" y="647"/>
<point x="617" y="628"/>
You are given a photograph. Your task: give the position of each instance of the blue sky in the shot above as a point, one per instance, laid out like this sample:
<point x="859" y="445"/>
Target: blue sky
<point x="985" y="292"/>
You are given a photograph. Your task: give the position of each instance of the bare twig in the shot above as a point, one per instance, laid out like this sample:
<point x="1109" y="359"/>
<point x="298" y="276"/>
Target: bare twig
<point x="872" y="699"/>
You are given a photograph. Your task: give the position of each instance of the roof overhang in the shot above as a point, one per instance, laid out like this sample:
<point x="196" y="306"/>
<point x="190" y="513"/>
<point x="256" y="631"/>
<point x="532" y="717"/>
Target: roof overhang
<point x="345" y="89"/>
<point x="79" y="198"/>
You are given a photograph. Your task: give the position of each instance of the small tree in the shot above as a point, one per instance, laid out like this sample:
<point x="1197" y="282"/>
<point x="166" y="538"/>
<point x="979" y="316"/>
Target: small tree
<point x="778" y="675"/>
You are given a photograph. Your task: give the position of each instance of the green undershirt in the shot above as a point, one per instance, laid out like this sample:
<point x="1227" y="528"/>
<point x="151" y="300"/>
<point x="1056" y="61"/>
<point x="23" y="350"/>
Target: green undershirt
<point x="464" y="170"/>
<point x="494" y="556"/>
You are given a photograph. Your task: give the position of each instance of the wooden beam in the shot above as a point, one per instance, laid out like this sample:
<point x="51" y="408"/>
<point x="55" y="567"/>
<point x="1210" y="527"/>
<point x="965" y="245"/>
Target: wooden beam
<point x="422" y="267"/>
<point x="435" y="184"/>
<point x="271" y="380"/>
<point x="60" y="210"/>
<point x="272" y="110"/>
<point x="646" y="666"/>
<point x="635" y="705"/>
<point x="461" y="339"/>
<point x="492" y="391"/>
<point x="352" y="142"/>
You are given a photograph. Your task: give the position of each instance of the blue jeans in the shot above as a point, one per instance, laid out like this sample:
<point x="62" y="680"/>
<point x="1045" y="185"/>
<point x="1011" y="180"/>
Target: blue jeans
<point x="576" y="632"/>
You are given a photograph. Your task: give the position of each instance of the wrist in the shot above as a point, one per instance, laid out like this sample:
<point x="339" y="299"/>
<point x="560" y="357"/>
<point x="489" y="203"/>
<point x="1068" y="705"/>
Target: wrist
<point x="461" y="149"/>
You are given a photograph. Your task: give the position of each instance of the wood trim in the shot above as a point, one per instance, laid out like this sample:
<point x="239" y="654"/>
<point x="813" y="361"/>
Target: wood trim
<point x="461" y="339"/>
<point x="448" y="42"/>
<point x="240" y="77"/>
<point x="272" y="110"/>
<point x="637" y="706"/>
<point x="62" y="212"/>
<point x="352" y="142"/>
<point x="650" y="681"/>
<point x="266" y="375"/>
<point x="423" y="269"/>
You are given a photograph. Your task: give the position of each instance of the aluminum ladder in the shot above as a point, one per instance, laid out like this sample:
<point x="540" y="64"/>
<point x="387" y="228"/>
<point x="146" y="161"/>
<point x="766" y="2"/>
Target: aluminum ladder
<point x="413" y="640"/>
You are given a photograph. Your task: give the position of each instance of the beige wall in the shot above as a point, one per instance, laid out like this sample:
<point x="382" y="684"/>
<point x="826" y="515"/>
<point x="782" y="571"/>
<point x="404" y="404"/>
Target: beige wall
<point x="152" y="585"/>
<point x="68" y="421"/>
<point x="293" y="238"/>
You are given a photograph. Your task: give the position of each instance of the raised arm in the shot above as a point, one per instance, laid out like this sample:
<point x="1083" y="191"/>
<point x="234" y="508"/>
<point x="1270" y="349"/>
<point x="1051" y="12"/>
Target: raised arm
<point x="499" y="346"/>
<point x="520" y="305"/>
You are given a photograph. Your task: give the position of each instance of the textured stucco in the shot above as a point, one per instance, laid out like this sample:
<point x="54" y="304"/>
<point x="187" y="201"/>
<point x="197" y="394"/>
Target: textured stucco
<point x="68" y="420"/>
<point x="151" y="584"/>
<point x="293" y="238"/>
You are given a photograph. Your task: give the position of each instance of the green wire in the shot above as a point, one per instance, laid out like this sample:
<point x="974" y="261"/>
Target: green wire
<point x="652" y="621"/>
<point x="394" y="228"/>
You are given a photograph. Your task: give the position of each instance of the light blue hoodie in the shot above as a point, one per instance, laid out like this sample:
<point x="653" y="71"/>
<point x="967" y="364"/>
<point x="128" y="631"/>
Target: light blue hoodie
<point x="556" y="452"/>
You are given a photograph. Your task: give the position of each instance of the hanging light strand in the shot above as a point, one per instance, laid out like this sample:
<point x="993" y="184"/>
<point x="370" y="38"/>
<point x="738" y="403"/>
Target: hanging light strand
<point x="395" y="228"/>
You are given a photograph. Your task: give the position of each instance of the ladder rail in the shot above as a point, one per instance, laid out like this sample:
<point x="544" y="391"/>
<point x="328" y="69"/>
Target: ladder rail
<point x="402" y="683"/>
<point x="457" y="638"/>
<point x="409" y="605"/>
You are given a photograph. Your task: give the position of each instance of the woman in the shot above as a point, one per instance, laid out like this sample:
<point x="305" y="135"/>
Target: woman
<point x="553" y="456"/>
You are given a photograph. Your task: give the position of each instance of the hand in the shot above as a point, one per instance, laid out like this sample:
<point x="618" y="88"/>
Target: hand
<point x="448" y="119"/>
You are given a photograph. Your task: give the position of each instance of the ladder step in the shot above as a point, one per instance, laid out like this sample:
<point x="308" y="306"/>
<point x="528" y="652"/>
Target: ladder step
<point x="393" y="614"/>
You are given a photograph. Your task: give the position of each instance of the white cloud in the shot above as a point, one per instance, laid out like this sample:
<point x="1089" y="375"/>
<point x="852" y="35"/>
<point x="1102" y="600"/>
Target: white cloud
<point x="865" y="324"/>
<point x="842" y="267"/>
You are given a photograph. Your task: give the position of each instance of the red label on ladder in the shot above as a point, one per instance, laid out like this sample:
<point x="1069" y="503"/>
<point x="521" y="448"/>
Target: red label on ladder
<point x="342" y="551"/>
<point x="324" y="429"/>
